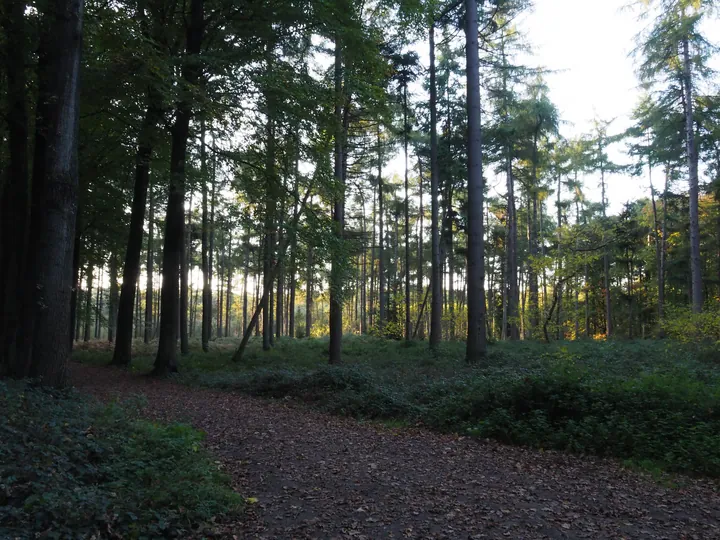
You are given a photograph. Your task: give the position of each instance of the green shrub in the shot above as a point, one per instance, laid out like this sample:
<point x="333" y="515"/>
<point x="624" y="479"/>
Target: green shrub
<point x="74" y="469"/>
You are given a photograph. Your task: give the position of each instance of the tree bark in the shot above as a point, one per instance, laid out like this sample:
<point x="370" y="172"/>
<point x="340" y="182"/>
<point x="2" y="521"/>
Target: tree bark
<point x="88" y="303"/>
<point x="692" y="160"/>
<point x="49" y="274"/>
<point x="382" y="307"/>
<point x="113" y="300"/>
<point x="477" y="337"/>
<point x="122" y="355"/>
<point x="184" y="287"/>
<point x="338" y="216"/>
<point x="309" y="293"/>
<point x="149" y="270"/>
<point x="205" y="246"/>
<point x="14" y="203"/>
<point x="436" y="262"/>
<point x="166" y="359"/>
<point x="406" y="208"/>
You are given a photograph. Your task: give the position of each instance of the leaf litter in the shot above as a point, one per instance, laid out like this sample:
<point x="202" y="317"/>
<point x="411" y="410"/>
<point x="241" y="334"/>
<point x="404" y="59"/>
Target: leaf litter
<point x="310" y="475"/>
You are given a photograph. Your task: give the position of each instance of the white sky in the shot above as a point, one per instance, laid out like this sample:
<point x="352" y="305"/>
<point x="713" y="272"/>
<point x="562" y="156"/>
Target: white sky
<point x="586" y="45"/>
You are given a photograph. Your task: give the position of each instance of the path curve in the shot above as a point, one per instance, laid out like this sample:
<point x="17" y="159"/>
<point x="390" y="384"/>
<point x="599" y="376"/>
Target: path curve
<point x="319" y="476"/>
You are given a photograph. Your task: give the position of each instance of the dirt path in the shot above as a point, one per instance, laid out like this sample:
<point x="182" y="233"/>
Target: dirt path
<point x="317" y="476"/>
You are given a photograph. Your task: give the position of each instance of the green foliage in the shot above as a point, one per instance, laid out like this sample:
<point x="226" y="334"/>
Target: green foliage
<point x="70" y="468"/>
<point x="688" y="327"/>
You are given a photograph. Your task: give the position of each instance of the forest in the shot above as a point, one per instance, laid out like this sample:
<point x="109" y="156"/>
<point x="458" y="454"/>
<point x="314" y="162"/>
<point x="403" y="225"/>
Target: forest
<point x="367" y="208"/>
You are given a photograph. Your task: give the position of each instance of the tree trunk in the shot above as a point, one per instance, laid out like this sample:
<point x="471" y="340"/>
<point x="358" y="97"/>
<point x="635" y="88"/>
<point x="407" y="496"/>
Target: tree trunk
<point x="113" y="300"/>
<point x="246" y="267"/>
<point x="122" y="355"/>
<point x="336" y="271"/>
<point x="205" y="244"/>
<point x="228" y="291"/>
<point x="436" y="262"/>
<point x="309" y="293"/>
<point x="14" y="203"/>
<point x="184" y="292"/>
<point x="48" y="285"/>
<point x="406" y="207"/>
<point x="477" y="337"/>
<point x="692" y="160"/>
<point x="166" y="359"/>
<point x="382" y="307"/>
<point x="88" y="303"/>
<point x="149" y="268"/>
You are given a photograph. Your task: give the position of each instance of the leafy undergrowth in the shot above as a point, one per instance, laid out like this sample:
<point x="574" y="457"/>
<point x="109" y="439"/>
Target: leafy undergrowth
<point x="653" y="403"/>
<point x="71" y="468"/>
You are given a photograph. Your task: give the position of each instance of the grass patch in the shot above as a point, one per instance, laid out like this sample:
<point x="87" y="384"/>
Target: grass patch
<point x="71" y="468"/>
<point x="651" y="402"/>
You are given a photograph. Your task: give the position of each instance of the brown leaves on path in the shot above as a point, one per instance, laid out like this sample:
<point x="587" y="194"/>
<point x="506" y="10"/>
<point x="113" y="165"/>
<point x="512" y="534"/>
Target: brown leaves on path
<point x="309" y="475"/>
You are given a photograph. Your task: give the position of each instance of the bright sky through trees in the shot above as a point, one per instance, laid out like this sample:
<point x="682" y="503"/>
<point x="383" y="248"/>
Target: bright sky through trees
<point x="588" y="46"/>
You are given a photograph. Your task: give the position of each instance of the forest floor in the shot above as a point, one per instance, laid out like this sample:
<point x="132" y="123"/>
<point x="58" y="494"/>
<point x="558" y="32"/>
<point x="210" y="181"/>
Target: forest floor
<point x="311" y="475"/>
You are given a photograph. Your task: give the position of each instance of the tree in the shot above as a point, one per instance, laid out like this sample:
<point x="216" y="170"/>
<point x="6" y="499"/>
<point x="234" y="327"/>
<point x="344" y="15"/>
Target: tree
<point x="477" y="338"/>
<point x="166" y="359"/>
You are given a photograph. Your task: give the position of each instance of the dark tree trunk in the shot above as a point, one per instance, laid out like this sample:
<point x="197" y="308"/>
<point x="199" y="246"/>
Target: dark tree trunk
<point x="382" y="309"/>
<point x="113" y="300"/>
<point x="420" y="329"/>
<point x="15" y="201"/>
<point x="338" y="216"/>
<point x="406" y="208"/>
<point x="206" y="249"/>
<point x="122" y="354"/>
<point x="149" y="269"/>
<point x="184" y="292"/>
<point x="477" y="337"/>
<point x="87" y="316"/>
<point x="692" y="160"/>
<point x="166" y="359"/>
<point x="436" y="271"/>
<point x="98" y="306"/>
<point x="48" y="285"/>
<point x="228" y="290"/>
<point x="309" y="293"/>
<point x="246" y="266"/>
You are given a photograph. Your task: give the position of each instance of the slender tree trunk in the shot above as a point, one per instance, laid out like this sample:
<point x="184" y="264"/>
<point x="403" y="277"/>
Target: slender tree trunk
<point x="205" y="244"/>
<point x="420" y="332"/>
<point x="309" y="293"/>
<point x="606" y="261"/>
<point x="14" y="199"/>
<point x="184" y="291"/>
<point x="228" y="290"/>
<point x="114" y="294"/>
<point x="269" y="227"/>
<point x="246" y="267"/>
<point x="88" y="303"/>
<point x="149" y="269"/>
<point x="436" y="262"/>
<point x="692" y="160"/>
<point x="406" y="135"/>
<point x="166" y="359"/>
<point x="382" y="314"/>
<point x="220" y="290"/>
<point x="336" y="271"/>
<point x="98" y="306"/>
<point x="122" y="354"/>
<point x="663" y="252"/>
<point x="477" y="337"/>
